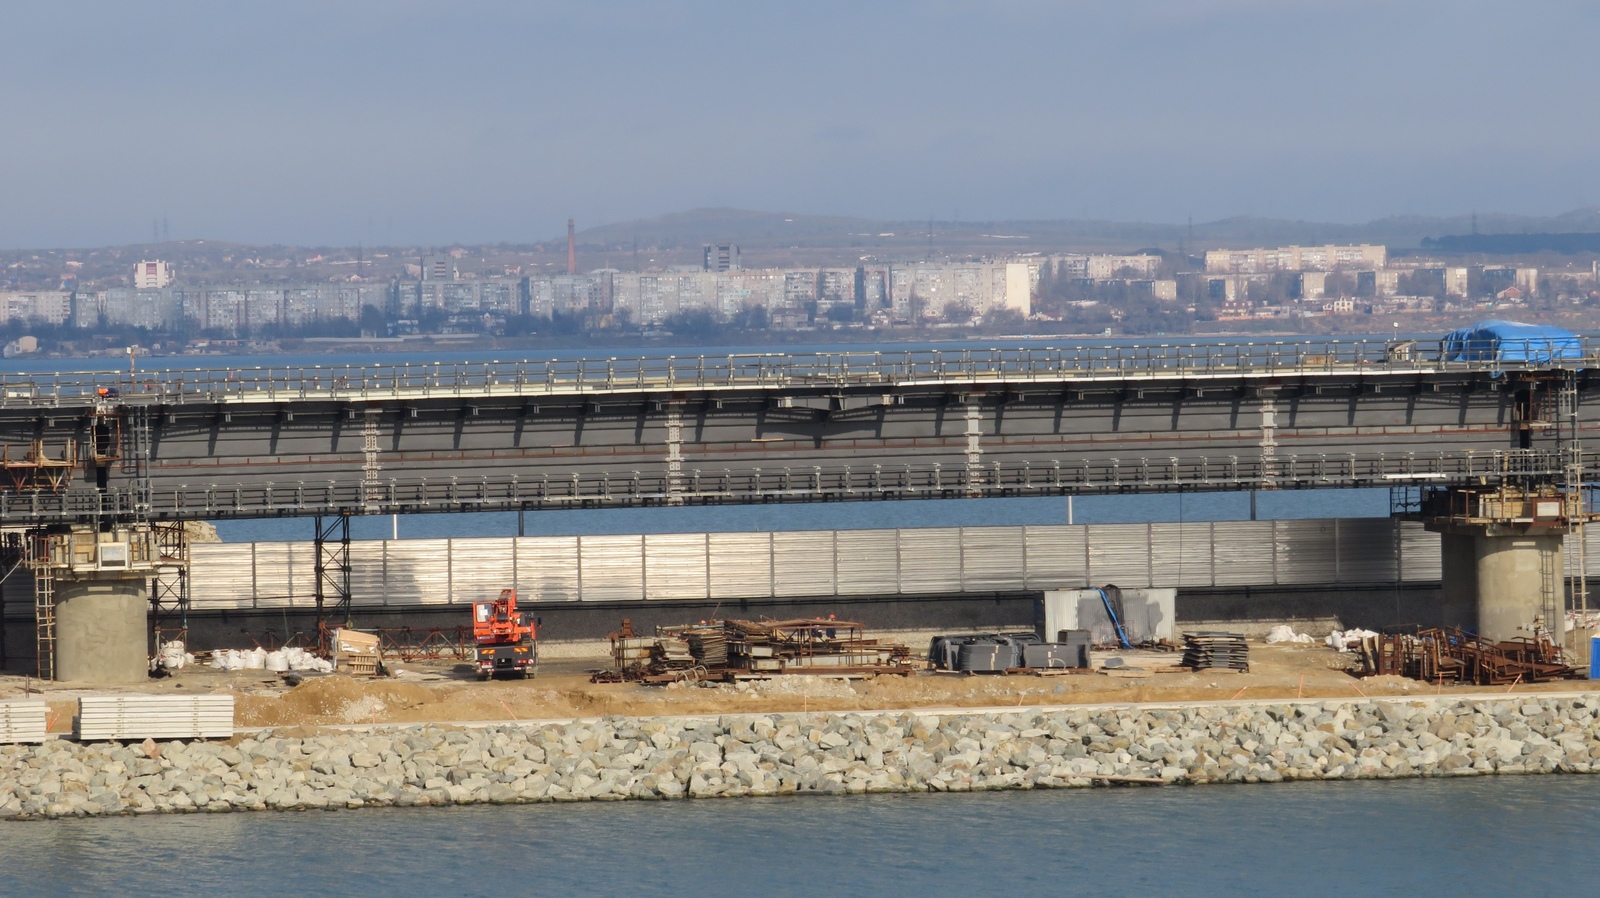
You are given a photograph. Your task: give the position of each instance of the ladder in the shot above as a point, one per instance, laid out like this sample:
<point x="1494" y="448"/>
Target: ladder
<point x="136" y="458"/>
<point x="1550" y="592"/>
<point x="37" y="549"/>
<point x="1566" y="401"/>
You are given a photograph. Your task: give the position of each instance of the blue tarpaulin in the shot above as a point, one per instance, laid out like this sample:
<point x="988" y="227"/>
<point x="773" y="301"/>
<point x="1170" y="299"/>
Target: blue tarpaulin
<point x="1511" y="341"/>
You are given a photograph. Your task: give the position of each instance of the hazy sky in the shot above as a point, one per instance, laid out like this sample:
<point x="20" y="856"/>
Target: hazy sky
<point x="477" y="120"/>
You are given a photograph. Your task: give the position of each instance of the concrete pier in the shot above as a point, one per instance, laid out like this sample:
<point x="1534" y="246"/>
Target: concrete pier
<point x="1513" y="580"/>
<point x="1501" y="549"/>
<point x="102" y="626"/>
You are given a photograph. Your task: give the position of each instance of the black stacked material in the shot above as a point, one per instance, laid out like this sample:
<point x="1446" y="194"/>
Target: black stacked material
<point x="709" y="646"/>
<point x="1214" y="650"/>
<point x="988" y="656"/>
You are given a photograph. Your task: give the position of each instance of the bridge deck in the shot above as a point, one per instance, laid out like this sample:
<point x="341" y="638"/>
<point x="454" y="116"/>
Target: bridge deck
<point x="776" y="428"/>
<point x="763" y="371"/>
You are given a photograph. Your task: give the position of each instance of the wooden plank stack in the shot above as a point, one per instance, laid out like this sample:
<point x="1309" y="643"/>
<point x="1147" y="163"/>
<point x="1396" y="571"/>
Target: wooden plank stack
<point x="104" y="717"/>
<point x="23" y="721"/>
<point x="1213" y="650"/>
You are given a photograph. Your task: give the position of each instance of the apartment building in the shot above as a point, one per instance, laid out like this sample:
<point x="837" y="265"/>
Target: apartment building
<point x="1295" y="258"/>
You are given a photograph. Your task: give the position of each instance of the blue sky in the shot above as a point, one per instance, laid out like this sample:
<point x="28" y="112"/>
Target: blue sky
<point x="477" y="120"/>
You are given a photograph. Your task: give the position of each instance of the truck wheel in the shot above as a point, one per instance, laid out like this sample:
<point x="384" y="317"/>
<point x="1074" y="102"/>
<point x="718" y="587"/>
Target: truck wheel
<point x="482" y="676"/>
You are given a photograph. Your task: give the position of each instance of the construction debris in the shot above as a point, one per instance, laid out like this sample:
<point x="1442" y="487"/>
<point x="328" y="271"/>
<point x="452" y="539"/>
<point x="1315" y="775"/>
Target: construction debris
<point x="1211" y="649"/>
<point x="1450" y="655"/>
<point x="723" y="650"/>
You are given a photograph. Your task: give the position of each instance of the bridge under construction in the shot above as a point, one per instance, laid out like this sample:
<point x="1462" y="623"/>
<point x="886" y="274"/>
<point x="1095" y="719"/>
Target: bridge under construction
<point x="100" y="470"/>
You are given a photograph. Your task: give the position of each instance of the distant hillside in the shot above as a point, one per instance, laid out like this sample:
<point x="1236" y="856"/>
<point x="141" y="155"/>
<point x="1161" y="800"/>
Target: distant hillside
<point x="1516" y="244"/>
<point x="775" y="230"/>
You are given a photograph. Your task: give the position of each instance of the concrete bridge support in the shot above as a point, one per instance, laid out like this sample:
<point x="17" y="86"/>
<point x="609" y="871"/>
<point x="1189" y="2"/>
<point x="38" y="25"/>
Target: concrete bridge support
<point x="1501" y="548"/>
<point x="1513" y="580"/>
<point x="102" y="625"/>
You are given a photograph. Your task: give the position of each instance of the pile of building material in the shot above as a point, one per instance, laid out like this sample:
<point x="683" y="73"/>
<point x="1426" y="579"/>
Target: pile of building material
<point x="1213" y="650"/>
<point x="741" y="649"/>
<point x="1449" y="655"/>
<point x="23" y="721"/>
<point x="355" y="652"/>
<point x="1010" y="652"/>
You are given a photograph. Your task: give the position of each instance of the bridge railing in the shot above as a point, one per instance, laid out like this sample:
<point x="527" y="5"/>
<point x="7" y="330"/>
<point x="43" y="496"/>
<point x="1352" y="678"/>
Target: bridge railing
<point x="761" y="370"/>
<point x="788" y="484"/>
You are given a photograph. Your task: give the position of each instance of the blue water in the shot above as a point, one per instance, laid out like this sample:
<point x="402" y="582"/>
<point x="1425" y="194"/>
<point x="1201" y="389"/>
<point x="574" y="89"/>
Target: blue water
<point x="846" y="515"/>
<point x="1460" y="838"/>
<point x="384" y="355"/>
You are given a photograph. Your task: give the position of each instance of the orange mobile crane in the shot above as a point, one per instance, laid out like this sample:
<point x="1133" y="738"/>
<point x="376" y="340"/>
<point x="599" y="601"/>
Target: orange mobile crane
<point x="506" y="645"/>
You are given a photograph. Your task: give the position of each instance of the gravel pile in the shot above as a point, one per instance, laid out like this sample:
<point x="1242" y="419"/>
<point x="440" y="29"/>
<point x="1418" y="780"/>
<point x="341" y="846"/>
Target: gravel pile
<point x="780" y="754"/>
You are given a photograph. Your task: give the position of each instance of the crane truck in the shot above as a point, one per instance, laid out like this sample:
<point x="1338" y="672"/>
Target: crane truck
<point x="506" y="643"/>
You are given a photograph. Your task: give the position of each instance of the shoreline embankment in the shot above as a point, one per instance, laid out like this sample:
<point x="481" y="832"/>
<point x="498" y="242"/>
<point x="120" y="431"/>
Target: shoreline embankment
<point x="615" y="758"/>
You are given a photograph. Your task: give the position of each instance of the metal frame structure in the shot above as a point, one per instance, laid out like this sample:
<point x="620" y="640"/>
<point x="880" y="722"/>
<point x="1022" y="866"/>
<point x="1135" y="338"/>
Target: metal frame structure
<point x="169" y="588"/>
<point x="817" y="483"/>
<point x="332" y="575"/>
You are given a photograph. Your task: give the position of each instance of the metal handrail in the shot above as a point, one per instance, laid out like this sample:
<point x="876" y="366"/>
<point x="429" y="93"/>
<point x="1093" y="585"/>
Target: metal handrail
<point x="803" y="484"/>
<point x="765" y="370"/>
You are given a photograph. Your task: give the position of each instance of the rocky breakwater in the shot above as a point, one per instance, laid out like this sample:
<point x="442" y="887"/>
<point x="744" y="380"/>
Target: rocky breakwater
<point x="778" y="754"/>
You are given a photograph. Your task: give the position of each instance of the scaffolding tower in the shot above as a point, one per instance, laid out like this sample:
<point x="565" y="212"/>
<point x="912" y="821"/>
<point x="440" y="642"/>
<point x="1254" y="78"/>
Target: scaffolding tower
<point x="332" y="576"/>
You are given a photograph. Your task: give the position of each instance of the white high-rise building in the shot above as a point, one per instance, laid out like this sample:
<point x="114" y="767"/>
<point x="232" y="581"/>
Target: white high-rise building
<point x="152" y="275"/>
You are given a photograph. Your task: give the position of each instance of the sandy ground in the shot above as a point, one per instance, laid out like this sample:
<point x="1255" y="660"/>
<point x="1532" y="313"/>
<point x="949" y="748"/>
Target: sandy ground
<point x="444" y="691"/>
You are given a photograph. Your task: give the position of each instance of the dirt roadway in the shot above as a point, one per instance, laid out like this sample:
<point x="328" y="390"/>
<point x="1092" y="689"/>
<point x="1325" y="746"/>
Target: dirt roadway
<point x="439" y="692"/>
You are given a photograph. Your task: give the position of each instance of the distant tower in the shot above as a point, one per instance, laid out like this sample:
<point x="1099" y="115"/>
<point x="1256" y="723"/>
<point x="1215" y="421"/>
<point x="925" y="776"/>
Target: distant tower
<point x="572" y="247"/>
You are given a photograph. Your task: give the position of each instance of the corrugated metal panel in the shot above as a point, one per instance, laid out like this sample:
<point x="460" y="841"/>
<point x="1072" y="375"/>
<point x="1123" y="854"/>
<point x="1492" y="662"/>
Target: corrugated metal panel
<point x="221" y="575"/>
<point x="802" y="563"/>
<point x="1366" y="550"/>
<point x="991" y="559"/>
<point x="1244" y="553"/>
<point x="869" y="564"/>
<point x="22" y="721"/>
<point x="302" y="574"/>
<point x="675" y="566"/>
<point x="1586" y="540"/>
<point x="1056" y="557"/>
<point x="612" y="568"/>
<point x="155" y="717"/>
<point x="419" y="572"/>
<point x="740" y="565"/>
<point x="366" y="573"/>
<point x="930" y="561"/>
<point x="1419" y="553"/>
<point x="274" y="587"/>
<point x="1181" y="554"/>
<point x="1119" y="554"/>
<point x="547" y="568"/>
<point x="1306" y="552"/>
<point x="480" y="568"/>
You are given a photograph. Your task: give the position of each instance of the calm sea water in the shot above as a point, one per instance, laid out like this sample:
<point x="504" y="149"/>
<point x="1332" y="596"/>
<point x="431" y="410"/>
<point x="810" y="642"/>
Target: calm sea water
<point x="1462" y="838"/>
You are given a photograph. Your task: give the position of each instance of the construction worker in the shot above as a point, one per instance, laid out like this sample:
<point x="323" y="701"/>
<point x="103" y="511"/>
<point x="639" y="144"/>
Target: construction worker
<point x="831" y="631"/>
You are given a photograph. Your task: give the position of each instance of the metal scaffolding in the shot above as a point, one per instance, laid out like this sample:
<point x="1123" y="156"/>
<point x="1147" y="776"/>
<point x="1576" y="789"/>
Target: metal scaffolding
<point x="169" y="588"/>
<point x="332" y="576"/>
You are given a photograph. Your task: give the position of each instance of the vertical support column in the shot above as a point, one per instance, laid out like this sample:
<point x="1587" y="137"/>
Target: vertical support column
<point x="974" y="445"/>
<point x="371" y="488"/>
<point x="1269" y="447"/>
<point x="1502" y="550"/>
<point x="332" y="575"/>
<point x="674" y="453"/>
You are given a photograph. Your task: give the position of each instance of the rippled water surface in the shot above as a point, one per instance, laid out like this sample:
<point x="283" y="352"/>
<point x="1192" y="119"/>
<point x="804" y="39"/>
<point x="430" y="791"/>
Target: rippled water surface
<point x="1468" y="837"/>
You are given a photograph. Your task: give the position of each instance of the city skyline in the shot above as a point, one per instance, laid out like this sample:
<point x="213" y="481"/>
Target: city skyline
<point x="489" y="121"/>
